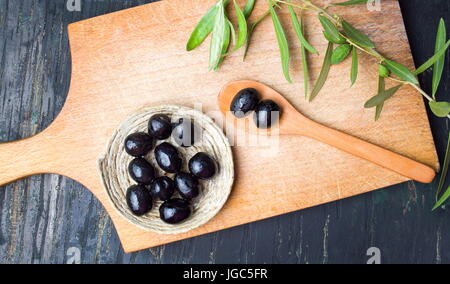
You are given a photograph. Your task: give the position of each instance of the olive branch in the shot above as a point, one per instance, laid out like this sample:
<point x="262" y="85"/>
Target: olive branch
<point x="337" y="31"/>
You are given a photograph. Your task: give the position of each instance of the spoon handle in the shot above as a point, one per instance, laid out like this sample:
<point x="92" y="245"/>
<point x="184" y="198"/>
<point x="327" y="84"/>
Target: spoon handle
<point x="370" y="152"/>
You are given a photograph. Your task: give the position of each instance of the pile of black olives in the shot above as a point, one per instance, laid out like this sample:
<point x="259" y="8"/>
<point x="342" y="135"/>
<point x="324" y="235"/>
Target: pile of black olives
<point x="149" y="187"/>
<point x="267" y="112"/>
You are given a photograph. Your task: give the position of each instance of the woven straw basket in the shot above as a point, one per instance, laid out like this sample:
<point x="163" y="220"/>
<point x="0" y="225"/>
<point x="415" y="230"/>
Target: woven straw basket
<point x="113" y="167"/>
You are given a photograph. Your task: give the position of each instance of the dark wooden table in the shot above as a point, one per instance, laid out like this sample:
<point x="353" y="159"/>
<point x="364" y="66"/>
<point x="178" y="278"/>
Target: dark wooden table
<point x="52" y="219"/>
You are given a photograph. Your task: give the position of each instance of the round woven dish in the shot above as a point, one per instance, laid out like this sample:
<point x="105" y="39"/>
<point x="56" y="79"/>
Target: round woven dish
<point x="113" y="168"/>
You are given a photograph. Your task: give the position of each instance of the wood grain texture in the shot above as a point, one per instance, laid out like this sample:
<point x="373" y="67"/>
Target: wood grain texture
<point x="346" y="228"/>
<point x="133" y="58"/>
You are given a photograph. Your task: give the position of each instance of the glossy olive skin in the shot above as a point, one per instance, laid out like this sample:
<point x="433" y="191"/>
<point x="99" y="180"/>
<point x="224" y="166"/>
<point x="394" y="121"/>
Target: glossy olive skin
<point x="138" y="144"/>
<point x="202" y="166"/>
<point x="175" y="211"/>
<point x="139" y="200"/>
<point x="160" y="127"/>
<point x="184" y="132"/>
<point x="168" y="158"/>
<point x="141" y="171"/>
<point x="187" y="186"/>
<point x="244" y="102"/>
<point x="162" y="188"/>
<point x="267" y="114"/>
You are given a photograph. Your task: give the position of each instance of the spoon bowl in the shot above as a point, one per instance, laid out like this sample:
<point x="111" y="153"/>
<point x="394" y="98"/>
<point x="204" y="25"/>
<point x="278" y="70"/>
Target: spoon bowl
<point x="292" y="122"/>
<point x="288" y="118"/>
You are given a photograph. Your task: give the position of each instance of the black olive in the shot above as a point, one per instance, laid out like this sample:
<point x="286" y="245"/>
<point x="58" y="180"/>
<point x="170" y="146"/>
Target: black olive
<point x="168" y="158"/>
<point x="175" y="211"/>
<point x="184" y="132"/>
<point x="244" y="102"/>
<point x="162" y="188"/>
<point x="187" y="185"/>
<point x="202" y="166"/>
<point x="267" y="114"/>
<point x="141" y="171"/>
<point x="139" y="200"/>
<point x="160" y="127"/>
<point x="138" y="144"/>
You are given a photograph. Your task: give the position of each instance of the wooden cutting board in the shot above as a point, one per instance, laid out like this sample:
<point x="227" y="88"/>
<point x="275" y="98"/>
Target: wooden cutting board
<point x="135" y="58"/>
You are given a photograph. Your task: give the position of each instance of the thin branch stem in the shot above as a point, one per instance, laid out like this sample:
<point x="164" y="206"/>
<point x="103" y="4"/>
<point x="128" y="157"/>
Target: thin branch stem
<point x="430" y="99"/>
<point x="294" y="5"/>
<point x="263" y="16"/>
<point x="397" y="80"/>
<point x="320" y="10"/>
<point x="370" y="52"/>
<point x="260" y="19"/>
<point x="422" y="92"/>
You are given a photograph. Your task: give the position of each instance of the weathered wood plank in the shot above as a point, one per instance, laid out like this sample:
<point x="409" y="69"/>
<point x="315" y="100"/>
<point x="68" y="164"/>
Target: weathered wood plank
<point x="42" y="217"/>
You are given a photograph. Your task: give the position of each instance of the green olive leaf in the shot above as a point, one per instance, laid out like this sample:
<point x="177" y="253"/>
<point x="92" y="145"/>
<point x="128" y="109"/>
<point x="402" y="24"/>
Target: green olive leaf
<point x="443" y="199"/>
<point x="331" y="32"/>
<point x="357" y="36"/>
<point x="330" y="39"/>
<point x="229" y="34"/>
<point x="326" y="66"/>
<point x="203" y="28"/>
<point x="282" y="42"/>
<point x="305" y="72"/>
<point x="383" y="71"/>
<point x="440" y="54"/>
<point x="355" y="66"/>
<point x="243" y="28"/>
<point x="251" y="29"/>
<point x="351" y="2"/>
<point x="382" y="97"/>
<point x="299" y="31"/>
<point x="401" y="71"/>
<point x="247" y="42"/>
<point x="218" y="39"/>
<point x="381" y="88"/>
<point x="441" y="37"/>
<point x="304" y="64"/>
<point x="248" y="9"/>
<point x="340" y="53"/>
<point x="444" y="173"/>
<point x="440" y="109"/>
<point x="232" y="36"/>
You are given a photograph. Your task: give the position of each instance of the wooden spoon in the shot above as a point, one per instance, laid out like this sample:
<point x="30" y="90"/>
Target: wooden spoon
<point x="294" y="123"/>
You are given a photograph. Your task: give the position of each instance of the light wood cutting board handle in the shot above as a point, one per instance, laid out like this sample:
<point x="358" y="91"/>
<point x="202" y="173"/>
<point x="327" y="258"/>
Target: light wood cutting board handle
<point x="23" y="158"/>
<point x="370" y="152"/>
